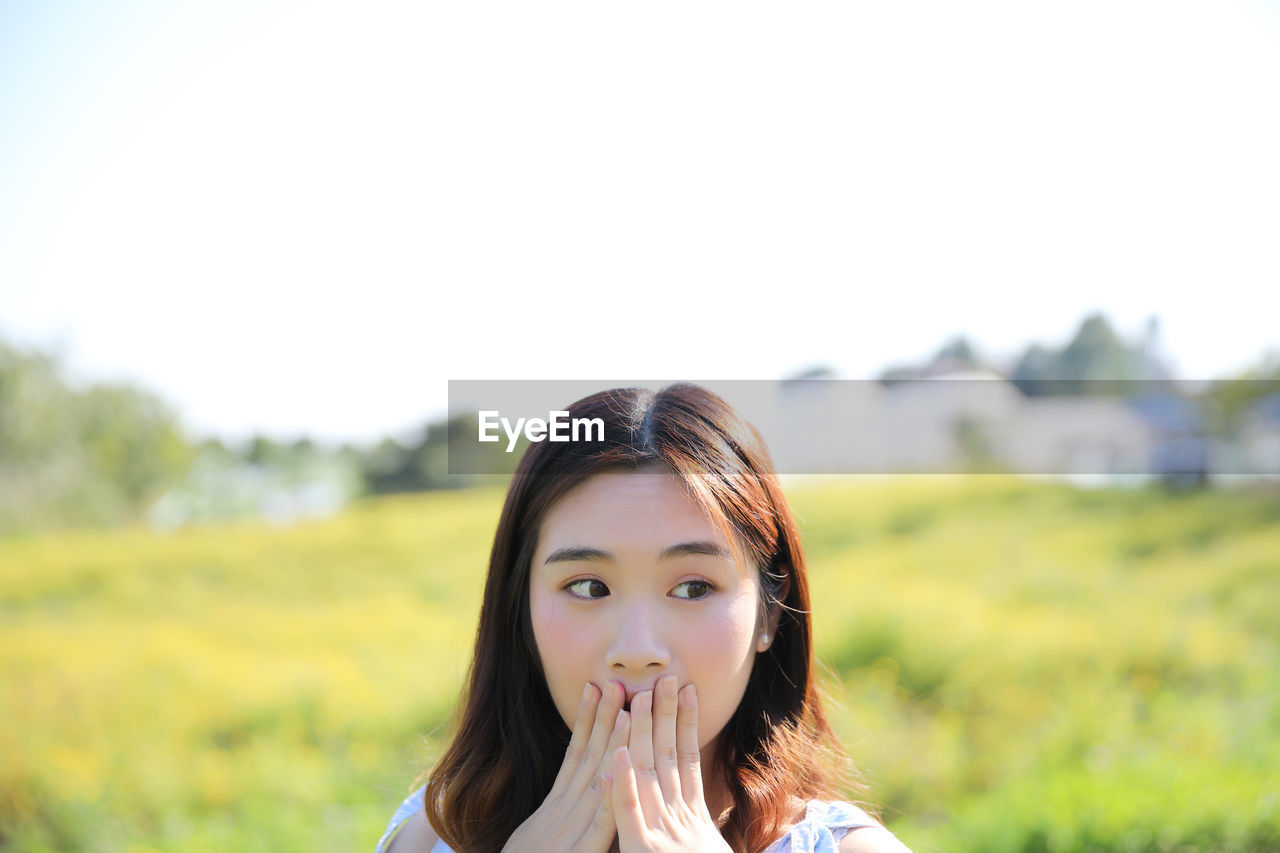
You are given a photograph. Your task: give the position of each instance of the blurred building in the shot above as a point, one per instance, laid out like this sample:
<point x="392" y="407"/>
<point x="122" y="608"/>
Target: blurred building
<point x="974" y="421"/>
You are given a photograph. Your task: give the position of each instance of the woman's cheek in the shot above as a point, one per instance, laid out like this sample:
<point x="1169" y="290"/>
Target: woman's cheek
<point x="719" y="654"/>
<point x="556" y="627"/>
<point x="560" y="644"/>
<point x="736" y="627"/>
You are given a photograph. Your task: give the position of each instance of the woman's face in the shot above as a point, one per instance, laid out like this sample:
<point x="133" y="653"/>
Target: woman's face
<point x="632" y="581"/>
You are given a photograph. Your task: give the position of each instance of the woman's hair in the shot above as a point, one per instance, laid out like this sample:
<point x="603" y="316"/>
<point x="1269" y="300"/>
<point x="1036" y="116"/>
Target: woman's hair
<point x="511" y="740"/>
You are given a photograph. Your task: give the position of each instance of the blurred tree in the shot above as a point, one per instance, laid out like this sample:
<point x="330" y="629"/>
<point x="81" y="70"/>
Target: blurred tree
<point x="133" y="440"/>
<point x="1232" y="399"/>
<point x="33" y="403"/>
<point x="446" y="456"/>
<point x="214" y="448"/>
<point x="264" y="451"/>
<point x="818" y="371"/>
<point x="956" y="355"/>
<point x="958" y="352"/>
<point x="1096" y="352"/>
<point x="1095" y="361"/>
<point x="456" y="454"/>
<point x="1033" y="374"/>
<point x="71" y="457"/>
<point x="389" y="468"/>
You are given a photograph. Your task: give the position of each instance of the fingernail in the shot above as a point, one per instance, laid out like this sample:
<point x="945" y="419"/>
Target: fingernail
<point x="669" y="685"/>
<point x="621" y="721"/>
<point x="687" y="696"/>
<point x="586" y="693"/>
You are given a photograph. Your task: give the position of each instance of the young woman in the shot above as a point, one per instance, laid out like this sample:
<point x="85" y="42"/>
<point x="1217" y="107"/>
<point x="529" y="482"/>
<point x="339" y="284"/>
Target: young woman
<point x="643" y="677"/>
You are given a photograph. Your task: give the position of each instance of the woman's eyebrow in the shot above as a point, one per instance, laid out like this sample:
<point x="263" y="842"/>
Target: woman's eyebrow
<point x="710" y="549"/>
<point x="573" y="554"/>
<point x="576" y="553"/>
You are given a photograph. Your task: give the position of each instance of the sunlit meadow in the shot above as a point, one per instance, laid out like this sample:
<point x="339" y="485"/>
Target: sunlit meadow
<point x="1014" y="666"/>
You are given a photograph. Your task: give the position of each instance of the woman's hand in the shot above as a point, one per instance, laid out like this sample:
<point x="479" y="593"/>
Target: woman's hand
<point x="576" y="815"/>
<point x="656" y="781"/>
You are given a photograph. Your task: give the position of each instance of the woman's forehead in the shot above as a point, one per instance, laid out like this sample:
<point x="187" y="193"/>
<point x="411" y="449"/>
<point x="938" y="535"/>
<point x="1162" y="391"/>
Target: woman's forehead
<point x="638" y="512"/>
<point x="621" y="503"/>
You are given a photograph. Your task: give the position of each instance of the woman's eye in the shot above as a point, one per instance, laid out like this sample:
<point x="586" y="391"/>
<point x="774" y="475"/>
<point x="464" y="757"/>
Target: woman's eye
<point x="588" y="588"/>
<point x="593" y="588"/>
<point x="692" y="589"/>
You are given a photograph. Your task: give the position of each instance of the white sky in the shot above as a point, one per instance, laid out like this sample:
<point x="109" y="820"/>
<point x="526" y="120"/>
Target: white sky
<point x="307" y="219"/>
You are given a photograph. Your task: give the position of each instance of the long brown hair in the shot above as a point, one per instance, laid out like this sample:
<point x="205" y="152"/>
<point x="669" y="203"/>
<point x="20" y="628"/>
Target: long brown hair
<point x="510" y="739"/>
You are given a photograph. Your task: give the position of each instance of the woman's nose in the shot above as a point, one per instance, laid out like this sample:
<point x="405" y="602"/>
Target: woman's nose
<point x="638" y="646"/>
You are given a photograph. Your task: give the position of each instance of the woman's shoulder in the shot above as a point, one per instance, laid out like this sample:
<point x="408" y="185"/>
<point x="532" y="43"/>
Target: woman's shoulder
<point x="408" y="831"/>
<point x="415" y="836"/>
<point x="835" y="826"/>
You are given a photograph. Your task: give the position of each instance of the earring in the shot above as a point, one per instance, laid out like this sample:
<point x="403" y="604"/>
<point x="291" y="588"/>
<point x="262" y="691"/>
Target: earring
<point x="764" y="638"/>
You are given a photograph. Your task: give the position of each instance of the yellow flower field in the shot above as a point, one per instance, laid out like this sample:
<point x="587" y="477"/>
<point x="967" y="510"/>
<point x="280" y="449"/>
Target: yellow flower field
<point x="1014" y="666"/>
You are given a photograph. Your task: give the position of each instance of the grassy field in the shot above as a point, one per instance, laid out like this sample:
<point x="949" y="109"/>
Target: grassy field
<point x="1015" y="667"/>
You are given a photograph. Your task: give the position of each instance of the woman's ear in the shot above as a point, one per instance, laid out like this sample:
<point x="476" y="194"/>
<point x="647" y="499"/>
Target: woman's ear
<point x="773" y="613"/>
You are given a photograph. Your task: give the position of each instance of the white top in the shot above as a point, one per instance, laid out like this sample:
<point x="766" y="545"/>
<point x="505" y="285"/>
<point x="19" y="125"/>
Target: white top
<point x="824" y="824"/>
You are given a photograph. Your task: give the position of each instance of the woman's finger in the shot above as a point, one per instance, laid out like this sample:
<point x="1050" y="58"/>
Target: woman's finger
<point x="640" y="754"/>
<point x="600" y="832"/>
<point x="687" y="749"/>
<point x="578" y="740"/>
<point x="602" y="729"/>
<point x="587" y="807"/>
<point x="621" y="735"/>
<point x="664" y="738"/>
<point x="627" y="812"/>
